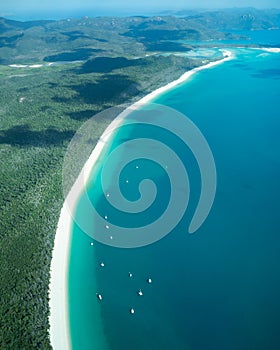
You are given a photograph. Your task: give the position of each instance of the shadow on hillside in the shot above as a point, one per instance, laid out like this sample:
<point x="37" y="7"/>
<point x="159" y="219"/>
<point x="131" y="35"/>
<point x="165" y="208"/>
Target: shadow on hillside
<point x="108" y="64"/>
<point x="74" y="35"/>
<point x="163" y="39"/>
<point x="22" y="135"/>
<point x="10" y="41"/>
<point x="112" y="88"/>
<point x="82" y="115"/>
<point x="75" y="55"/>
<point x="154" y="35"/>
<point x="166" y="46"/>
<point x="108" y="113"/>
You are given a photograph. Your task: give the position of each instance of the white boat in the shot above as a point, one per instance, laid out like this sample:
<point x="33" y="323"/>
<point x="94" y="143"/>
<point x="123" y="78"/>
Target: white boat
<point x="99" y="296"/>
<point x="140" y="292"/>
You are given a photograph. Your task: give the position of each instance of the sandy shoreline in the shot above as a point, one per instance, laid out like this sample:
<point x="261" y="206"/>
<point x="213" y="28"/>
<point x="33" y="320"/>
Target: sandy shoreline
<point x="271" y="49"/>
<point x="58" y="319"/>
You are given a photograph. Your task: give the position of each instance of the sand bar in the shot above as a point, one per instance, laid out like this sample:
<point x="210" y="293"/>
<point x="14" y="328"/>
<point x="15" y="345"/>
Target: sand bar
<point x="271" y="49"/>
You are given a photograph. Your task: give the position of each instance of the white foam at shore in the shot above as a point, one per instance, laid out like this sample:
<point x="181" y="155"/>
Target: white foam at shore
<point x="59" y="320"/>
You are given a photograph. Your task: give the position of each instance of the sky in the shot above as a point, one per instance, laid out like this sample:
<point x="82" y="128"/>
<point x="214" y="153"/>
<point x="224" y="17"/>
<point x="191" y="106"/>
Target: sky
<point x="16" y="7"/>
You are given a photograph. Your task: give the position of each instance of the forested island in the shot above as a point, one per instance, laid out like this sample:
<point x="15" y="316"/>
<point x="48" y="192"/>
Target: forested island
<point x="54" y="76"/>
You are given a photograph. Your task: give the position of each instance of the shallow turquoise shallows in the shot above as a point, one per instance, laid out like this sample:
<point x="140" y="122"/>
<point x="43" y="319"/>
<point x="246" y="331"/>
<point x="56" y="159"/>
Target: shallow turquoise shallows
<point x="219" y="288"/>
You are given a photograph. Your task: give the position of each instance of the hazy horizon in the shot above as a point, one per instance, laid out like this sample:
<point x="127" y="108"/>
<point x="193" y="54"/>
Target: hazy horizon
<point x="31" y="9"/>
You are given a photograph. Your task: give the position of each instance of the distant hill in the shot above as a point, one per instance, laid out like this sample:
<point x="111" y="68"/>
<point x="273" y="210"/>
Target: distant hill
<point x="84" y="38"/>
<point x="239" y="19"/>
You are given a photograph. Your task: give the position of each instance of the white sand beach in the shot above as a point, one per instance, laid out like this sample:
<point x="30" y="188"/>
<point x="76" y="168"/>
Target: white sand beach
<point x="30" y="65"/>
<point x="272" y="49"/>
<point x="35" y="66"/>
<point x="18" y="65"/>
<point x="266" y="49"/>
<point x="59" y="320"/>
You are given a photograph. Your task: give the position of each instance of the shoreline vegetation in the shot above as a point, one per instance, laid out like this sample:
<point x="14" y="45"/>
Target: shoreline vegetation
<point x="59" y="318"/>
<point x="55" y="75"/>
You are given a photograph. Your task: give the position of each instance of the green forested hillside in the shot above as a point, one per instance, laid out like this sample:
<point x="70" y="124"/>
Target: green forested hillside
<point x="83" y="38"/>
<point x="236" y="19"/>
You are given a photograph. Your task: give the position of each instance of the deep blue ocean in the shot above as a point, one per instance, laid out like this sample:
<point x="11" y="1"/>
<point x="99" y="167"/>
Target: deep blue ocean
<point x="218" y="288"/>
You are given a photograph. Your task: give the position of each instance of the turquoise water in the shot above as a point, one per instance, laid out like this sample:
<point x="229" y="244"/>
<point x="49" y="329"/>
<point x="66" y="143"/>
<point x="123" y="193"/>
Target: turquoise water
<point x="261" y="37"/>
<point x="219" y="288"/>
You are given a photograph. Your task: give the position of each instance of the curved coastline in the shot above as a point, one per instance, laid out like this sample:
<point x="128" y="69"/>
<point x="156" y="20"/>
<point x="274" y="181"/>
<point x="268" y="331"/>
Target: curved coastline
<point x="58" y="286"/>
